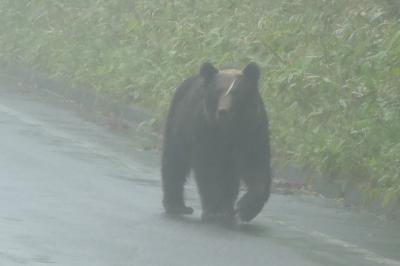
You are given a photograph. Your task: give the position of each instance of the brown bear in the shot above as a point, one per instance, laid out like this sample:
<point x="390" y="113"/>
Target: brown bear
<point x="217" y="127"/>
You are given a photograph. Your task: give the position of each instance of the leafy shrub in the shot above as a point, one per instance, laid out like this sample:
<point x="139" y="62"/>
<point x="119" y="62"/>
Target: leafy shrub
<point x="331" y="67"/>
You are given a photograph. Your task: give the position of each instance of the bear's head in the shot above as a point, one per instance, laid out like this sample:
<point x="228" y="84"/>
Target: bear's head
<point x="228" y="91"/>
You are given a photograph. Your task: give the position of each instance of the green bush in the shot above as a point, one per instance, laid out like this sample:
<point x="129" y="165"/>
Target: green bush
<point x="331" y="68"/>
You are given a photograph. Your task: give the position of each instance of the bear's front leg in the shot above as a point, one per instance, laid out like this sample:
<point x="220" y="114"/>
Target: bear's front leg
<point x="174" y="173"/>
<point x="258" y="191"/>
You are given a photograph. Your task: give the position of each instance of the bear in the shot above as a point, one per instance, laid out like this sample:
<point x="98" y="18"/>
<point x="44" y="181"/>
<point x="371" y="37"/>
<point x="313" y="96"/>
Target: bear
<point x="217" y="127"/>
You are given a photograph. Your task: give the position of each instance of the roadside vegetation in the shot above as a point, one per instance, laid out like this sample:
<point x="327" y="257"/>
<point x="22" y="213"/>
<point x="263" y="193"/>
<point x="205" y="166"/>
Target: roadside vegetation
<point x="331" y="68"/>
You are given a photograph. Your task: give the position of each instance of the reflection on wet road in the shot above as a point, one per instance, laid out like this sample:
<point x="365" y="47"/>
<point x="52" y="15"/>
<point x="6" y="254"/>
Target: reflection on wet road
<point x="74" y="193"/>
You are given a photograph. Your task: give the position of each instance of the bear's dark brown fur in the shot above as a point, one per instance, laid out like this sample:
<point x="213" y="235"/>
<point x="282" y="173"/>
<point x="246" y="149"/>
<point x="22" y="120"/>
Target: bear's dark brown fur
<point x="217" y="126"/>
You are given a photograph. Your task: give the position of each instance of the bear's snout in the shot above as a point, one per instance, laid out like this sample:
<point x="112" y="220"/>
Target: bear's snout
<point x="224" y="108"/>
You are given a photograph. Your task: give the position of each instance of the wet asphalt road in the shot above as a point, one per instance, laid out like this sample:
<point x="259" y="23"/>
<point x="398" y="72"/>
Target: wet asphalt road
<point x="74" y="193"/>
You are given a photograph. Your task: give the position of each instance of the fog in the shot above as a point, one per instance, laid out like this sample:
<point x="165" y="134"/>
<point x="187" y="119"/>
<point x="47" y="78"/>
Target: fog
<point x="85" y="89"/>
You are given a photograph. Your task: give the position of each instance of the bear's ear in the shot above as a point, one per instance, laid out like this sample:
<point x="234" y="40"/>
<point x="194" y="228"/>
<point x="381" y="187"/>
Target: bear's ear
<point x="207" y="71"/>
<point x="252" y="72"/>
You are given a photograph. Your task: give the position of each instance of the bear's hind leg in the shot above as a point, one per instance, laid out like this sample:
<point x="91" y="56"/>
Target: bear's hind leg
<point x="208" y="190"/>
<point x="218" y="192"/>
<point x="229" y="192"/>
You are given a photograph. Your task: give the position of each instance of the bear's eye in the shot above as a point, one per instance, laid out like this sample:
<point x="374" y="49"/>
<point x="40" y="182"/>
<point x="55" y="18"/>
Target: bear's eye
<point x="215" y="93"/>
<point x="234" y="91"/>
<point x="212" y="98"/>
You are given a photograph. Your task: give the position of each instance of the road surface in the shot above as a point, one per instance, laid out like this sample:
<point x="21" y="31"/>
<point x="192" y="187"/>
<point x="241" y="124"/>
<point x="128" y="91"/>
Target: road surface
<point x="72" y="192"/>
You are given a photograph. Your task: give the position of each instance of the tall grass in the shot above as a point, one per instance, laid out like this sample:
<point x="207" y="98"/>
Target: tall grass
<point x="331" y="68"/>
